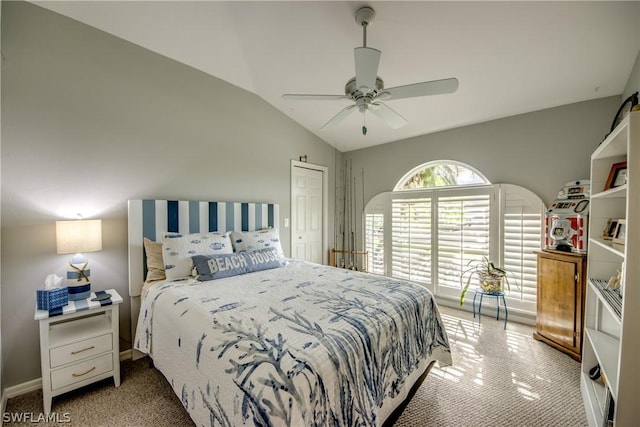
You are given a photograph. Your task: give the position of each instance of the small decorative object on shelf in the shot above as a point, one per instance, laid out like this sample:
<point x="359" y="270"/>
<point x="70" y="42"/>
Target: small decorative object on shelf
<point x="620" y="232"/>
<point x="613" y="297"/>
<point x="617" y="175"/>
<point x="624" y="110"/>
<point x="609" y="228"/>
<point x="614" y="281"/>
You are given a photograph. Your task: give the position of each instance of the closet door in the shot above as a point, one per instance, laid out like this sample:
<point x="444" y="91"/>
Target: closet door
<point x="307" y="210"/>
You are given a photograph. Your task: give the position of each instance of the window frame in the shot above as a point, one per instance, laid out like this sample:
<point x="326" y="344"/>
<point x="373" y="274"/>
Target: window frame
<point x="382" y="204"/>
<point x="403" y="181"/>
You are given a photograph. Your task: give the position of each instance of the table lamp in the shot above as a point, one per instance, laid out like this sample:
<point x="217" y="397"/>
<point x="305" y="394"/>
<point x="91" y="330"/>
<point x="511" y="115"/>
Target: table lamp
<point x="76" y="237"/>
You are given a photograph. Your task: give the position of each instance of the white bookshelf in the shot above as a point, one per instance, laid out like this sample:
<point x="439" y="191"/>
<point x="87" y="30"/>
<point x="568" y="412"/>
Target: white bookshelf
<point x="612" y="319"/>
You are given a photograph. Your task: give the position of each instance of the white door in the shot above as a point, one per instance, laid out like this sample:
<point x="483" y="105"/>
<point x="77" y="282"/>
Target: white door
<point x="307" y="209"/>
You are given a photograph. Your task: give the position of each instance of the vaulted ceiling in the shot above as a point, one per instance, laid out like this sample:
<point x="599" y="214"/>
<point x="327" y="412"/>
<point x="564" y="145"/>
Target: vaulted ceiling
<point x="509" y="57"/>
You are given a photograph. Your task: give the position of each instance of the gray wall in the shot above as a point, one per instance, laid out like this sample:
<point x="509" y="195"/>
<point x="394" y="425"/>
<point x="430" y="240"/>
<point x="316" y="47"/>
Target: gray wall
<point x="634" y="79"/>
<point x="90" y="121"/>
<point x="541" y="151"/>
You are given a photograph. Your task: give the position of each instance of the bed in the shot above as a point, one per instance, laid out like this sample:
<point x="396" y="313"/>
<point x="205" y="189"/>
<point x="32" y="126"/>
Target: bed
<point x="253" y="338"/>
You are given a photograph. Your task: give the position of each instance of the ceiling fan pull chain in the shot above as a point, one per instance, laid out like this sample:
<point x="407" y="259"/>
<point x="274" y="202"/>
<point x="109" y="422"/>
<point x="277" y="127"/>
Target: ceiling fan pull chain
<point x="364" y="33"/>
<point x="364" y="123"/>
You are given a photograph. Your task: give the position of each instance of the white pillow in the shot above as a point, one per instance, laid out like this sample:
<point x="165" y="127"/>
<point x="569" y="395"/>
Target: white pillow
<point x="179" y="248"/>
<point x="259" y="239"/>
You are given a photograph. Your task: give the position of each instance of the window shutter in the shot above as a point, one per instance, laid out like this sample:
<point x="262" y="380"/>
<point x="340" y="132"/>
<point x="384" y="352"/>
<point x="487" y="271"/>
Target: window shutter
<point x="463" y="235"/>
<point x="411" y="239"/>
<point x="522" y="236"/>
<point x="374" y="242"/>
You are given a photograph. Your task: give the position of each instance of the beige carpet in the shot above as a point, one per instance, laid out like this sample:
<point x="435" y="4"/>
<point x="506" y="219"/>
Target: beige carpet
<point x="499" y="378"/>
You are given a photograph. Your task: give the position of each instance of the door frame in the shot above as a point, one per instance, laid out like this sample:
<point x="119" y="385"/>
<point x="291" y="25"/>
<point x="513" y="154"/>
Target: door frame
<point x="325" y="201"/>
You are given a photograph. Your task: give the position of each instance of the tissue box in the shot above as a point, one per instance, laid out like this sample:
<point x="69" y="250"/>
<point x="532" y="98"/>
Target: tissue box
<point x="48" y="299"/>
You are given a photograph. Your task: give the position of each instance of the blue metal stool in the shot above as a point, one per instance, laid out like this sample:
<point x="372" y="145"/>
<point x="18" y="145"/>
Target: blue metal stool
<point x="497" y="295"/>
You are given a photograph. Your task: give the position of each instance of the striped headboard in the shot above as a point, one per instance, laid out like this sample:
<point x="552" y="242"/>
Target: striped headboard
<point x="150" y="218"/>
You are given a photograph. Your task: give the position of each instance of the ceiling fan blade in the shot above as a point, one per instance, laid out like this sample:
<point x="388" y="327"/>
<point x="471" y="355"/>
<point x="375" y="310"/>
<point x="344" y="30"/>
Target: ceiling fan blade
<point x="308" y="97"/>
<point x="338" y="118"/>
<point x="388" y="115"/>
<point x="434" y="87"/>
<point x="367" y="60"/>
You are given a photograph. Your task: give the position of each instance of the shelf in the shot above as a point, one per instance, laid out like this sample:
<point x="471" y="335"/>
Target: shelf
<point x="606" y="349"/>
<point x="610" y="297"/>
<point x="615" y="144"/>
<point x="617" y="192"/>
<point x="596" y="394"/>
<point x="612" y="319"/>
<point x="614" y="248"/>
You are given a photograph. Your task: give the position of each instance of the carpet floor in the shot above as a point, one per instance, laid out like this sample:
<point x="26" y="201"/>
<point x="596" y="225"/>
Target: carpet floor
<point x="498" y="378"/>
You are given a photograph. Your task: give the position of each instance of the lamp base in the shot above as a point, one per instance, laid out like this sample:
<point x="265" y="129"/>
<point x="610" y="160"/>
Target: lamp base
<point x="79" y="278"/>
<point x="77" y="293"/>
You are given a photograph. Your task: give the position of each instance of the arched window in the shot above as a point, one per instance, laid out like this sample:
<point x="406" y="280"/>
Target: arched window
<point x="447" y="173"/>
<point x="451" y="216"/>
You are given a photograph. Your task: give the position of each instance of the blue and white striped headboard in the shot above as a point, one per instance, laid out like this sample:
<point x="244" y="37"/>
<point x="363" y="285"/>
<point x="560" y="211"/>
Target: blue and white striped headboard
<point x="150" y="218"/>
<point x="159" y="216"/>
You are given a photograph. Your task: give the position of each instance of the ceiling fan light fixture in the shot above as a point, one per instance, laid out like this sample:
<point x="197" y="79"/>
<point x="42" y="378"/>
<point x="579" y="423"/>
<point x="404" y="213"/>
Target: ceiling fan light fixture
<point x="366" y="89"/>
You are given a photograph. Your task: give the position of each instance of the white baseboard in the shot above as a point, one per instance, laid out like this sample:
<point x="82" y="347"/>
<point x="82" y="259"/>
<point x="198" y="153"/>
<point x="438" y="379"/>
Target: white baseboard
<point x="126" y="355"/>
<point x="33" y="385"/>
<point x="24" y="388"/>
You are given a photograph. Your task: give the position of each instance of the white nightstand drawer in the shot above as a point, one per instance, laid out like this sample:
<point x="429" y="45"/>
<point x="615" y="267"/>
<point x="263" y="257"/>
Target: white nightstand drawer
<point x="80" y="350"/>
<point x="81" y="371"/>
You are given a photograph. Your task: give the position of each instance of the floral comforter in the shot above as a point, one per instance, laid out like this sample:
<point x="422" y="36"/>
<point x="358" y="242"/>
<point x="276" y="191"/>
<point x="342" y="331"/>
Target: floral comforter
<point x="299" y="345"/>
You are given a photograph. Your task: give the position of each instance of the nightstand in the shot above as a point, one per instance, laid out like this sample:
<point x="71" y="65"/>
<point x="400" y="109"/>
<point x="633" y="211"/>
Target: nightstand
<point x="79" y="345"/>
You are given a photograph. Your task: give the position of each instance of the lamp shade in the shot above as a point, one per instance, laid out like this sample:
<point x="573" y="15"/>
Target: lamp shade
<point x="78" y="236"/>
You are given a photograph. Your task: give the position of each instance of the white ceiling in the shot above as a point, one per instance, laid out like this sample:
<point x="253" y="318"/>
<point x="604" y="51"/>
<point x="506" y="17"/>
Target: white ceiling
<point x="509" y="57"/>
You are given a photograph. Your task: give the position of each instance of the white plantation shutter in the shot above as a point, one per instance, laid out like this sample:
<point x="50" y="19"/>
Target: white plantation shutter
<point x="463" y="235"/>
<point x="523" y="216"/>
<point x="411" y="239"/>
<point x="431" y="234"/>
<point x="374" y="242"/>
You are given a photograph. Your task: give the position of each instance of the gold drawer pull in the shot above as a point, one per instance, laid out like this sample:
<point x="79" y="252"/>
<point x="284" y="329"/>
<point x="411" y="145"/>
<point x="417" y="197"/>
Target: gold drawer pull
<point x="84" y="373"/>
<point x="84" y="349"/>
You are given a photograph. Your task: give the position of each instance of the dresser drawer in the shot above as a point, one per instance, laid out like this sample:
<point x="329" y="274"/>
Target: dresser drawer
<point x="81" y="371"/>
<point x="80" y="350"/>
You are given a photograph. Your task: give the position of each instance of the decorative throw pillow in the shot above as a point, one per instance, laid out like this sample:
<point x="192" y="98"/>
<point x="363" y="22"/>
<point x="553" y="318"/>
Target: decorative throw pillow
<point x="179" y="248"/>
<point x="155" y="262"/>
<point x="211" y="267"/>
<point x="259" y="239"/>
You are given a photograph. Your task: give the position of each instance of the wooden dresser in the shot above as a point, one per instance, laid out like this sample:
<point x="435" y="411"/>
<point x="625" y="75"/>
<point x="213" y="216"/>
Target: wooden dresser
<point x="560" y="301"/>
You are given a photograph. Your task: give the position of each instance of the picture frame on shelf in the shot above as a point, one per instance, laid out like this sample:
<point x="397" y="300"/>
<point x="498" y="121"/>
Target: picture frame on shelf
<point x="617" y="175"/>
<point x="624" y="110"/>
<point x="620" y="232"/>
<point x="609" y="228"/>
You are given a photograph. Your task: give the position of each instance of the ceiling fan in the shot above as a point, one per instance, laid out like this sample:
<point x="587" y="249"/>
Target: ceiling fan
<point x="367" y="90"/>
